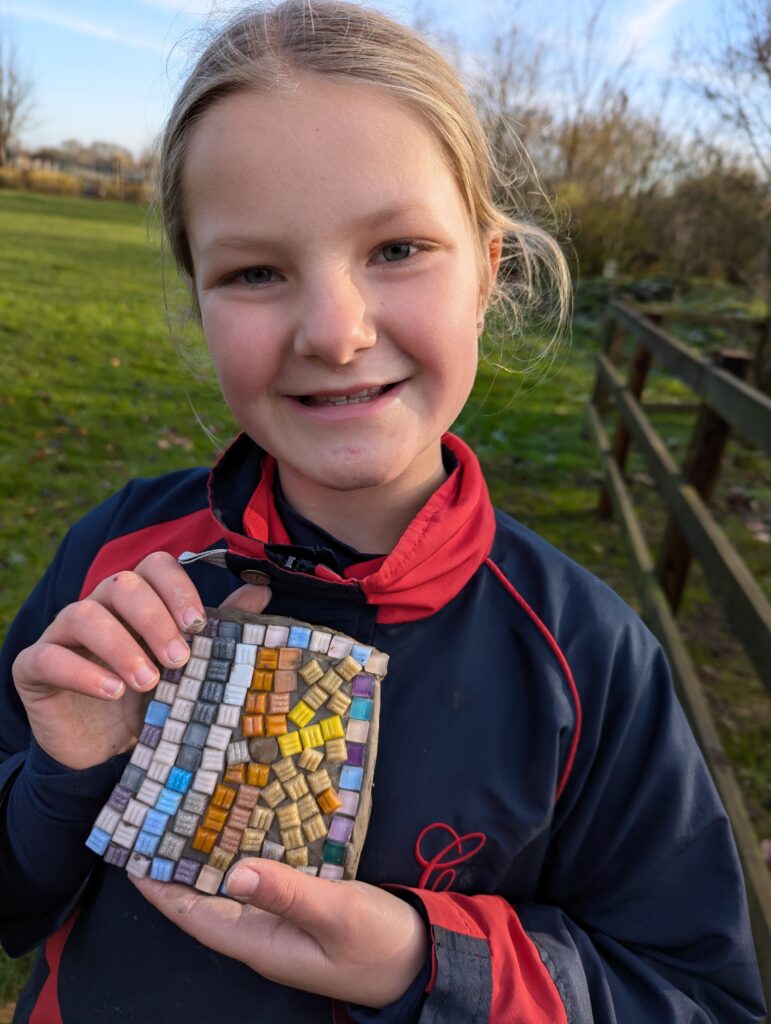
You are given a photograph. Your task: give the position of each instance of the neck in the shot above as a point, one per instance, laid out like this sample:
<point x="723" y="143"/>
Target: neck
<point x="370" y="519"/>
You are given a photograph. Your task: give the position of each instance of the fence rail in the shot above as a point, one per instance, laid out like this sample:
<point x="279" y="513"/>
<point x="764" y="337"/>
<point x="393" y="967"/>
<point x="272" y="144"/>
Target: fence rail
<point x="728" y="404"/>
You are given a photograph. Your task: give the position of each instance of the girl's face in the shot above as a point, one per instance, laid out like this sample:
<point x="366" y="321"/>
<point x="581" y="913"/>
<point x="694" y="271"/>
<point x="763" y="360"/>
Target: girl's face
<point x="337" y="274"/>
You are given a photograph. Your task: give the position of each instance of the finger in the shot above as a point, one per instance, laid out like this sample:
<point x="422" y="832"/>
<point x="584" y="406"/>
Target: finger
<point x="171" y="581"/>
<point x="91" y="627"/>
<point x="249" y="598"/>
<point x="135" y="602"/>
<point x="45" y="668"/>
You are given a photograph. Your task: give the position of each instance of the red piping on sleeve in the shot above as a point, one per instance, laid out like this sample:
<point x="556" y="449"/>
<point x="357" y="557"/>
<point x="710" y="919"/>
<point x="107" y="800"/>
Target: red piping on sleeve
<point x="561" y="659"/>
<point x="46" y="1009"/>
<point x="193" y="532"/>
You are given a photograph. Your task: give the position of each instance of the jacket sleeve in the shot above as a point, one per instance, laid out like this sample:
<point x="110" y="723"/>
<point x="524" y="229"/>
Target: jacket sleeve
<point x="641" y="914"/>
<point x="45" y="808"/>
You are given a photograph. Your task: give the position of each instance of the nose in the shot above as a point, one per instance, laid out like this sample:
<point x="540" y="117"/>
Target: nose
<point x="335" y="322"/>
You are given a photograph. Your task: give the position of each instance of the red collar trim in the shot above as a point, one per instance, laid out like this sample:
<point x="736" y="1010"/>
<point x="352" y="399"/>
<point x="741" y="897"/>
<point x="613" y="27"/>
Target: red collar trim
<point x="435" y="557"/>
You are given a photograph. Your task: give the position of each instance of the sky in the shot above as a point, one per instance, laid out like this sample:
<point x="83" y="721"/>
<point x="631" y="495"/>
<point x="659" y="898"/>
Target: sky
<point x="108" y="71"/>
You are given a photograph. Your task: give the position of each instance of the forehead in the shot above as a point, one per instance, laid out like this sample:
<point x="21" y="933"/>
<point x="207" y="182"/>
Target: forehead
<point x="321" y="148"/>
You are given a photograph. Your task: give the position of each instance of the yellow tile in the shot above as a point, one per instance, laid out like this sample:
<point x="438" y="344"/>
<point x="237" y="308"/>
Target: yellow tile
<point x="311" y="736"/>
<point x="297" y="858"/>
<point x="220" y="859"/>
<point x="252" y="840"/>
<point x="289" y="744"/>
<point x="292" y="838"/>
<point x="288" y="816"/>
<point x="336" y="750"/>
<point x="314" y="828"/>
<point x="319" y="781"/>
<point x="338" y="703"/>
<point x="285" y="768"/>
<point x="312" y="672"/>
<point x="332" y="728"/>
<point x="273" y="794"/>
<point x="314" y="697"/>
<point x="310" y="759"/>
<point x="348" y="668"/>
<point x="330" y="681"/>
<point x="307" y="806"/>
<point x="262" y="680"/>
<point x="262" y="818"/>
<point x="301" y="714"/>
<point x="296" y="787"/>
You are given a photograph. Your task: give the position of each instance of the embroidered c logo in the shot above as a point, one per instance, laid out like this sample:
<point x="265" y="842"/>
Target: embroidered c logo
<point x="437" y="862"/>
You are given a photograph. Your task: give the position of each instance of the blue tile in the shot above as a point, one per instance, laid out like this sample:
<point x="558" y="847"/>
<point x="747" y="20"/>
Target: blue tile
<point x="132" y="778"/>
<point x="361" y="653"/>
<point x="157" y="713"/>
<point x="168" y="801"/>
<point x="299" y="636"/>
<point x="146" y="843"/>
<point x="179" y="779"/>
<point x="98" y="840"/>
<point x="156" y="822"/>
<point x="361" y="709"/>
<point x="351" y="777"/>
<point x="161" y="869"/>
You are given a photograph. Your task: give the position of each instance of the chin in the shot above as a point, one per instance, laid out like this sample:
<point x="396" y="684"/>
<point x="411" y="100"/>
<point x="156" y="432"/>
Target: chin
<point x="344" y="471"/>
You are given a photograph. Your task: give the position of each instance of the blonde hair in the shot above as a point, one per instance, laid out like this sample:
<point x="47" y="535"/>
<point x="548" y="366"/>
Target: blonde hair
<point x="264" y="47"/>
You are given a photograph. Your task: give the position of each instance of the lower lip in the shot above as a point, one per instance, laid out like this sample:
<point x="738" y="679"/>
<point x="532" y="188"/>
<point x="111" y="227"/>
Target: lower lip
<point x="349" y="411"/>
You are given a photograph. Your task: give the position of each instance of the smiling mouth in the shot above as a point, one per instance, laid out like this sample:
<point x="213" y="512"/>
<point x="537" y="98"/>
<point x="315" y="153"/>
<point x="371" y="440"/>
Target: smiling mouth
<point x="355" y="398"/>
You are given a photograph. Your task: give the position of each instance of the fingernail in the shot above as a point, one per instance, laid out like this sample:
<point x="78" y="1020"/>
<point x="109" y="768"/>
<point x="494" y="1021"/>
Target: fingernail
<point x="145" y="675"/>
<point x="112" y="686"/>
<point x="194" y="619"/>
<point x="177" y="651"/>
<point x="242" y="883"/>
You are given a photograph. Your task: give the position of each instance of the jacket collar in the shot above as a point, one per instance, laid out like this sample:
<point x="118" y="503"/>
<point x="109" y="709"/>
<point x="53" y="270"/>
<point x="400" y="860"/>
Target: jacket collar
<point x="434" y="558"/>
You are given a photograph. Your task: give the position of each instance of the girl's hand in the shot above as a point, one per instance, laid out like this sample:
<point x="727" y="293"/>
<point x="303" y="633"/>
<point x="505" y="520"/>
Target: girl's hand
<point x="84" y="682"/>
<point x="346" y="940"/>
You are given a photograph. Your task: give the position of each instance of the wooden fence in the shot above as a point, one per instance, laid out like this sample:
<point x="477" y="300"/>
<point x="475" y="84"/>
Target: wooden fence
<point x="728" y="405"/>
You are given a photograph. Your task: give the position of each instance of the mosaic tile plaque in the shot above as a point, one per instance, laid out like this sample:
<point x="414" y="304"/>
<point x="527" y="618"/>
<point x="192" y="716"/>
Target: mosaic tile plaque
<point x="262" y="745"/>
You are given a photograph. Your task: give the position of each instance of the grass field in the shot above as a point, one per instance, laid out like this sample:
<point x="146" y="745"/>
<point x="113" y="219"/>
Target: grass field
<point x="93" y="393"/>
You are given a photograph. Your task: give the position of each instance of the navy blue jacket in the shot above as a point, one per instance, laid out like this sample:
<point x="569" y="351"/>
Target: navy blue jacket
<point x="537" y="793"/>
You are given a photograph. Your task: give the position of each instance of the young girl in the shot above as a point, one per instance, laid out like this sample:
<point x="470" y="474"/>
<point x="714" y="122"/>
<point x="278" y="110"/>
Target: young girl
<point x="545" y="843"/>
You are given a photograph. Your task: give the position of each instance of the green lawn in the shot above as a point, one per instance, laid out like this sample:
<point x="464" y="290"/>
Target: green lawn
<point x="92" y="393"/>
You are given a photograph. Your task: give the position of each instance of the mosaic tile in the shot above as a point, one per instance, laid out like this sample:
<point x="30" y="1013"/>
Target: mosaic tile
<point x="264" y="743"/>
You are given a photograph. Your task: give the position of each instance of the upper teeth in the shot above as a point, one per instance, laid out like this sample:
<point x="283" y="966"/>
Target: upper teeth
<point x="357" y="396"/>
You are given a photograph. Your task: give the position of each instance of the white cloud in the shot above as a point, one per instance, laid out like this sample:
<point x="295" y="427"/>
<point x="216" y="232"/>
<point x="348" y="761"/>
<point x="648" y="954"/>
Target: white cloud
<point x="641" y="29"/>
<point x="74" y="24"/>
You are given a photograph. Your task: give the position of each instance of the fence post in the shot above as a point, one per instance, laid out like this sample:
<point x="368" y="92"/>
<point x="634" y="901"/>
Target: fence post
<point x="612" y="343"/>
<point x="638" y="372"/>
<point x="761" y="374"/>
<point x="701" y="469"/>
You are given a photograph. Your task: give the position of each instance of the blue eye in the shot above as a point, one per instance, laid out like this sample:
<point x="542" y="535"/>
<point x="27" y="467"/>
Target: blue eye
<point x="255" y="275"/>
<point x="396" y="251"/>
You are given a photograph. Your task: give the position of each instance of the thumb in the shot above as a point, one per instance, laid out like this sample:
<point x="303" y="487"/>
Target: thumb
<point x="249" y="598"/>
<point x="310" y="903"/>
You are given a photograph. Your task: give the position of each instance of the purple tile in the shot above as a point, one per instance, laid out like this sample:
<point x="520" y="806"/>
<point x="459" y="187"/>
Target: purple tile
<point x="341" y="828"/>
<point x="210" y="627"/>
<point x="356" y="754"/>
<point x="349" y="801"/>
<point x="119" y="798"/>
<point x="151" y="735"/>
<point x="117" y="855"/>
<point x="187" y="871"/>
<point x="172" y="675"/>
<point x="363" y="686"/>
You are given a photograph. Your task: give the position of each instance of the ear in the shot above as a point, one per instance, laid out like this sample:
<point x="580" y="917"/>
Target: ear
<point x="493" y="251"/>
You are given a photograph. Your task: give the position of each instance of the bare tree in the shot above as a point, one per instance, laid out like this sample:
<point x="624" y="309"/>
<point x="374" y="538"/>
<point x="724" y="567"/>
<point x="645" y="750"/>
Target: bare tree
<point x="16" y="91"/>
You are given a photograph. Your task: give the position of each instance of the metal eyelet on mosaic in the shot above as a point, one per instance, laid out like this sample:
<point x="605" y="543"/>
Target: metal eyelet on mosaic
<point x="263" y="744"/>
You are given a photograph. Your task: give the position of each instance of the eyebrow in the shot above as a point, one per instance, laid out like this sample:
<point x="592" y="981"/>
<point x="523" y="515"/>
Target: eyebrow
<point x="368" y="222"/>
